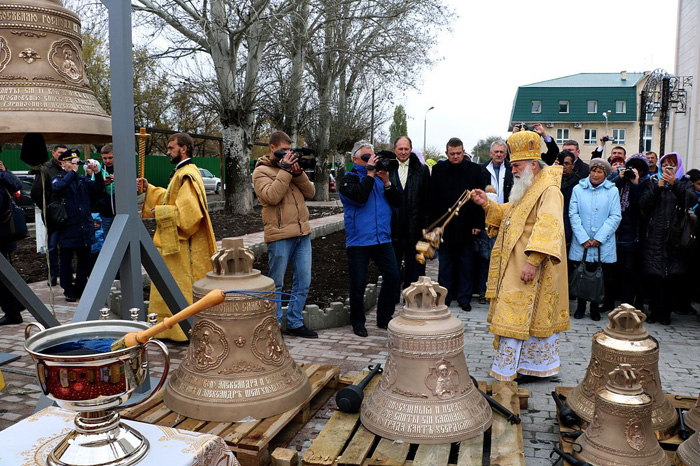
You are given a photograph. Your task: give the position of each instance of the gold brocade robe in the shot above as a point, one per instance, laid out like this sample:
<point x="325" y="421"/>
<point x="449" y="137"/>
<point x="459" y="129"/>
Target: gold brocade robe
<point x="184" y="236"/>
<point x="530" y="231"/>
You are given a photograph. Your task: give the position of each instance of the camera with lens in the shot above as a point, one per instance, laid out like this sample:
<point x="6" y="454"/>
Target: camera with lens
<point x="387" y="160"/>
<point x="607" y="138"/>
<point x="80" y="162"/>
<point x="628" y="174"/>
<point x="524" y="127"/>
<point x="305" y="157"/>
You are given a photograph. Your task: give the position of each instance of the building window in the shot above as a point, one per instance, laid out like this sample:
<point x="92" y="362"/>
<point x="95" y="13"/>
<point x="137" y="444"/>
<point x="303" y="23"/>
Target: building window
<point x="648" y="133"/>
<point x="619" y="136"/>
<point x="620" y="106"/>
<point x="563" y="106"/>
<point x="592" y="106"/>
<point x="590" y="136"/>
<point x="536" y="106"/>
<point x="562" y="135"/>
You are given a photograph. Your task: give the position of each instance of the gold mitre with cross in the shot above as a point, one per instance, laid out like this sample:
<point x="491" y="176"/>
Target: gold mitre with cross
<point x="524" y="145"/>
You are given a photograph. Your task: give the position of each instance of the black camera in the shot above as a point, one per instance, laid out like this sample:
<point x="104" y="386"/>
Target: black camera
<point x="607" y="138"/>
<point x="524" y="127"/>
<point x="387" y="160"/>
<point x="305" y="157"/>
<point x="629" y="174"/>
<point x="80" y="162"/>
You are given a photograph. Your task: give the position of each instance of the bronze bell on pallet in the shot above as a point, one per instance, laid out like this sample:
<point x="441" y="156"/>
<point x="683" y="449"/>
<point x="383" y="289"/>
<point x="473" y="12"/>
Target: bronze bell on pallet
<point x="625" y="341"/>
<point x="237" y="364"/>
<point x="426" y="394"/>
<point x="43" y="84"/>
<point x="620" y="433"/>
<point x="688" y="453"/>
<point x="692" y="417"/>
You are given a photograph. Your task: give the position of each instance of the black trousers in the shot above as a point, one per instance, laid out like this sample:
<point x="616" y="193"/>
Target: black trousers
<point x="406" y="252"/>
<point x="456" y="271"/>
<point x="358" y="261"/>
<point x="665" y="296"/>
<point x="8" y="303"/>
<point x="71" y="289"/>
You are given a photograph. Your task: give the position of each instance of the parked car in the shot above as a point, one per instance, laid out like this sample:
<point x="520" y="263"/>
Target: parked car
<point x="25" y="199"/>
<point x="211" y="183"/>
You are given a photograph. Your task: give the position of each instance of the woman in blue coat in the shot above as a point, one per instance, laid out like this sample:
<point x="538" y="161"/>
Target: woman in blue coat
<point x="595" y="214"/>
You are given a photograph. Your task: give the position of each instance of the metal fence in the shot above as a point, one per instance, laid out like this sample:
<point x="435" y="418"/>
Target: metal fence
<point x="158" y="167"/>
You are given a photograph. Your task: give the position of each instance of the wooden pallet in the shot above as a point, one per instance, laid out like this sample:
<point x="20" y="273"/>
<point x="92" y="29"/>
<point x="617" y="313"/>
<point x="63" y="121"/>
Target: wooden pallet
<point x="344" y="441"/>
<point x="669" y="445"/>
<point x="251" y="441"/>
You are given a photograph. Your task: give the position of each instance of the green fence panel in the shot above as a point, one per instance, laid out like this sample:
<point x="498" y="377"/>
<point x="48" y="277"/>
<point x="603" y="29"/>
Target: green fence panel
<point x="158" y="167"/>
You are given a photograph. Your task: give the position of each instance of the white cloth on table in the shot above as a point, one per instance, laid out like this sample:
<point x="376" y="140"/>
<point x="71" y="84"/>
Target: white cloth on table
<point x="29" y="442"/>
<point x="535" y="356"/>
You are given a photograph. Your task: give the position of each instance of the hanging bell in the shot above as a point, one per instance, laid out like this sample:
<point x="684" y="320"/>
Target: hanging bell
<point x="688" y="452"/>
<point x="625" y="341"/>
<point x="692" y="417"/>
<point x="43" y="86"/>
<point x="620" y="433"/>
<point x="426" y="394"/>
<point x="237" y="364"/>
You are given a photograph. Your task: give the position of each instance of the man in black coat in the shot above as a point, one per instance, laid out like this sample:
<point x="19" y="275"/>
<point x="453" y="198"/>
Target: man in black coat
<point x="41" y="195"/>
<point x="580" y="167"/>
<point x="448" y="181"/>
<point x="407" y="223"/>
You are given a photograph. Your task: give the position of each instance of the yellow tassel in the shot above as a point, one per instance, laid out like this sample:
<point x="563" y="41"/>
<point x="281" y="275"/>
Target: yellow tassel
<point x="2" y="382"/>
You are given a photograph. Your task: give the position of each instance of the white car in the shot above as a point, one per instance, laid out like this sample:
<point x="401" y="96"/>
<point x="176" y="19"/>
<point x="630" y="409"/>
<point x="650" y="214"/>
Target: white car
<point x="211" y="183"/>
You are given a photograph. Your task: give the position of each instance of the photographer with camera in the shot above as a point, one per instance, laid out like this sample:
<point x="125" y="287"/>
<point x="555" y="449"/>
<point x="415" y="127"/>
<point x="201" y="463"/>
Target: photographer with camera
<point x="616" y="151"/>
<point x="368" y="198"/>
<point x="76" y="191"/>
<point x="282" y="188"/>
<point x="552" y="153"/>
<point x="447" y="183"/>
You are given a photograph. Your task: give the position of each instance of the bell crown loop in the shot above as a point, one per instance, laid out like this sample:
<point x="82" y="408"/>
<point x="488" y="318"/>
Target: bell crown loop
<point x="624" y="380"/>
<point x="424" y="295"/>
<point x="233" y="258"/>
<point x="626" y="323"/>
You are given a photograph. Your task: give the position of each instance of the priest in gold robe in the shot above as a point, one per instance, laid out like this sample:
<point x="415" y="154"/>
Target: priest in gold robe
<point x="184" y="235"/>
<point x="527" y="284"/>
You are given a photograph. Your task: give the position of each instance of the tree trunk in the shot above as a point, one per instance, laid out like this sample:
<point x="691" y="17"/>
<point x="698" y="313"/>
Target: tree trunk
<point x="237" y="149"/>
<point x="324" y="136"/>
<point x="291" y="107"/>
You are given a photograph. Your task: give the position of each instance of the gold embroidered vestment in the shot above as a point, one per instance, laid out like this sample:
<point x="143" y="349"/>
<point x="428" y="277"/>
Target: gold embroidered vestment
<point x="184" y="236"/>
<point x="530" y="231"/>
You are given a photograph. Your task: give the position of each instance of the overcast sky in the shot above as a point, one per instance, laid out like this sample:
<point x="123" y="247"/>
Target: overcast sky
<point x="498" y="45"/>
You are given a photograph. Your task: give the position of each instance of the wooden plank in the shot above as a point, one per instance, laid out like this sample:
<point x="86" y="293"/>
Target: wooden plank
<point x="471" y="452"/>
<point x="389" y="452"/>
<point x="326" y="447"/>
<point x="239" y="431"/>
<point x="434" y="455"/>
<point x="285" y="457"/>
<point x="171" y="420"/>
<point x="358" y="449"/>
<point x="524" y="395"/>
<point x="192" y="424"/>
<point x="155" y="414"/>
<point x="506" y="438"/>
<point x="216" y="428"/>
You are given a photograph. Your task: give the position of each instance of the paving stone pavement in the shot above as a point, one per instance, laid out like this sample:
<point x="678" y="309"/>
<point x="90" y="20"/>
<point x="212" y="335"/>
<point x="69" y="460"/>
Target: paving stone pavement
<point x="679" y="366"/>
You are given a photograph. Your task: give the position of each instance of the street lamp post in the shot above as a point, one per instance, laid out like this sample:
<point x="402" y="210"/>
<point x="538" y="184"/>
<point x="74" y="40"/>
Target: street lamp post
<point x="605" y="114"/>
<point x="425" y="119"/>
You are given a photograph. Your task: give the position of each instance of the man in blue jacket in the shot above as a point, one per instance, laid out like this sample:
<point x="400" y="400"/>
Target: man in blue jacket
<point x="368" y="198"/>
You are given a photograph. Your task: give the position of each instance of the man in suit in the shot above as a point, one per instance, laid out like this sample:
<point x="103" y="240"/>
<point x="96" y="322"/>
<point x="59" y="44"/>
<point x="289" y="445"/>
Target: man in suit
<point x="580" y="167"/>
<point x="447" y="183"/>
<point x="408" y="221"/>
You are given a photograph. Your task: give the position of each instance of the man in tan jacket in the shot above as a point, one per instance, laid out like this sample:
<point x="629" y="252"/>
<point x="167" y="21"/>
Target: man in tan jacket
<point x="282" y="188"/>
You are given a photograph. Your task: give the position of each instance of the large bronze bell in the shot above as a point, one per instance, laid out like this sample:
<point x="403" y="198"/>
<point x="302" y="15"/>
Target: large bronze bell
<point x="625" y="341"/>
<point x="692" y="417"/>
<point x="426" y="394"/>
<point x="43" y="86"/>
<point x="621" y="433"/>
<point x="237" y="364"/>
<point x="689" y="451"/>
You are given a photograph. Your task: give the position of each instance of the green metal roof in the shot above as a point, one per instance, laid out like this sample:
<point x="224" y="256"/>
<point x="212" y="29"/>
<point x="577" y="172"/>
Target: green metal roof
<point x="591" y="80"/>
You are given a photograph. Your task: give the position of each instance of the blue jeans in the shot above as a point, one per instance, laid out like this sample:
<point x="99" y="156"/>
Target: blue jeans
<point x="358" y="261"/>
<point x="107" y="224"/>
<point x="298" y="252"/>
<point x="455" y="271"/>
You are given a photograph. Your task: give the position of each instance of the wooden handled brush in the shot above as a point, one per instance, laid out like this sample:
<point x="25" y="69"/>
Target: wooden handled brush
<point x="212" y="298"/>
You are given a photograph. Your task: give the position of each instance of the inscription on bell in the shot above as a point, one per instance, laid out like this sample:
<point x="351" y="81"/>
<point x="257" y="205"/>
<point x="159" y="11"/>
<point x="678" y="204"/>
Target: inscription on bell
<point x="15" y="18"/>
<point x="38" y="98"/>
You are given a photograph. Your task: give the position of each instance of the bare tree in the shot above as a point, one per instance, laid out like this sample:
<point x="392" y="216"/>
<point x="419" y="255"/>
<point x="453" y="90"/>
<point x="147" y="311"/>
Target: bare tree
<point x="234" y="34"/>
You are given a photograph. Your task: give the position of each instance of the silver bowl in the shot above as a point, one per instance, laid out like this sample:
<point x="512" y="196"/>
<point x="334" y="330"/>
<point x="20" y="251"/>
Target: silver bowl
<point x="94" y="386"/>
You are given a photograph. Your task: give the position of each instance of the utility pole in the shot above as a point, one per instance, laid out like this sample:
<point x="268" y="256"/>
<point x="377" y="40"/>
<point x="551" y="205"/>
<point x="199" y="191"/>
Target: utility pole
<point x="425" y="119"/>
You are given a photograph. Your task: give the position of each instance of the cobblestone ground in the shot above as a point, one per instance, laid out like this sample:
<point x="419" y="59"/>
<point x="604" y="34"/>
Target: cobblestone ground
<point x="679" y="366"/>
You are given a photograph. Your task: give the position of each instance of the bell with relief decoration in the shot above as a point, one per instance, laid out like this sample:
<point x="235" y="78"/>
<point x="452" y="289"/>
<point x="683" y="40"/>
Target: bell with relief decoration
<point x="625" y="341"/>
<point x="426" y="394"/>
<point x="43" y="86"/>
<point x="237" y="365"/>
<point x="688" y="453"/>
<point x="692" y="417"/>
<point x="620" y="433"/>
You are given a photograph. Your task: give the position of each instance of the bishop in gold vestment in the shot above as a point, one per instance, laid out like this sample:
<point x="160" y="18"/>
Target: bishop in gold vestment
<point x="184" y="235"/>
<point x="527" y="285"/>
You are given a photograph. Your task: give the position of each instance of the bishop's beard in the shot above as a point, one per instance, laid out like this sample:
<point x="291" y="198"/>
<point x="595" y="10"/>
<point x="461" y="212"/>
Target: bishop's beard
<point x="521" y="183"/>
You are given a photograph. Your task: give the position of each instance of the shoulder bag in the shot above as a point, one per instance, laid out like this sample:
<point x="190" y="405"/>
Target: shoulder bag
<point x="13" y="225"/>
<point x="57" y="216"/>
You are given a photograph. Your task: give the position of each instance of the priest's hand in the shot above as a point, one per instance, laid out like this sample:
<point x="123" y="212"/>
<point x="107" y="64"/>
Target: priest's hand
<point x="479" y="197"/>
<point x="528" y="273"/>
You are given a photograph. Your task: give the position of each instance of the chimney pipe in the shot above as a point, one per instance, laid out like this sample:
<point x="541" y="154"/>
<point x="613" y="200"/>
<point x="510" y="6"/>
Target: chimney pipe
<point x="623" y="75"/>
